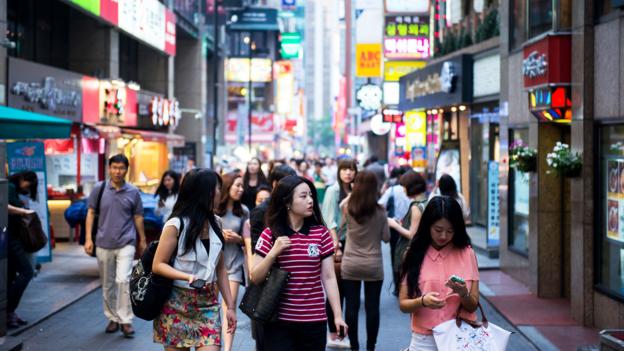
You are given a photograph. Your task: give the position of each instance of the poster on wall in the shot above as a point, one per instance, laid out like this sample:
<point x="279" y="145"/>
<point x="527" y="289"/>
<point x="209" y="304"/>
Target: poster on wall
<point x="30" y="156"/>
<point x="615" y="200"/>
<point x="448" y="163"/>
<point x="493" y="233"/>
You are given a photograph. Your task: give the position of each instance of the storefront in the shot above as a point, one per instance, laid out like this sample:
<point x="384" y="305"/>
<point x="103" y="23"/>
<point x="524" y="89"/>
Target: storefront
<point x="484" y="150"/>
<point x="437" y="97"/>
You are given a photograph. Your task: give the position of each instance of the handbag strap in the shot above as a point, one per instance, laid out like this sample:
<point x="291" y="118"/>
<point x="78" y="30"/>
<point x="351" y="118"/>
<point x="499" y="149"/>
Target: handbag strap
<point x="458" y="319"/>
<point x="99" y="199"/>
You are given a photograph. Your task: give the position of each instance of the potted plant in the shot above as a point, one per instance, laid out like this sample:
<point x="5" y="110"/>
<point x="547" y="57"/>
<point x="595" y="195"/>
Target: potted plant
<point x="563" y="161"/>
<point x="522" y="157"/>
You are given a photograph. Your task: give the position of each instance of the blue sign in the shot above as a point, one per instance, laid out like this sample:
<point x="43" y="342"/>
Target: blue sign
<point x="493" y="230"/>
<point x="289" y="3"/>
<point x="30" y="156"/>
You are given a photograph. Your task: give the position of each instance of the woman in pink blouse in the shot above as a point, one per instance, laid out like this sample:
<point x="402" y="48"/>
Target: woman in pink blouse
<point x="440" y="249"/>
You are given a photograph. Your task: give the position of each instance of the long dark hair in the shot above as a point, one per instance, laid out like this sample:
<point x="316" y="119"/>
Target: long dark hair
<point x="439" y="207"/>
<point x="447" y="186"/>
<point x="228" y="182"/>
<point x="196" y="202"/>
<point x="345" y="163"/>
<point x="28" y="176"/>
<point x="363" y="201"/>
<point x="281" y="198"/>
<point x="261" y="177"/>
<point x="162" y="192"/>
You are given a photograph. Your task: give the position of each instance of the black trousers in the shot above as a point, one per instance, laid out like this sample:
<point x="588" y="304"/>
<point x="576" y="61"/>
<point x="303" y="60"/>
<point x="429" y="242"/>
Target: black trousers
<point x="20" y="272"/>
<point x="372" y="295"/>
<point x="257" y="332"/>
<point x="394" y="237"/>
<point x="291" y="336"/>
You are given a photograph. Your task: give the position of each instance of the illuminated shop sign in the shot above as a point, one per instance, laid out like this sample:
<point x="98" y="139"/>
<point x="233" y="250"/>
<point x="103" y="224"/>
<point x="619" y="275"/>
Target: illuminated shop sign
<point x="237" y="70"/>
<point x="369" y="97"/>
<point x="551" y="104"/>
<point x="392" y="116"/>
<point x="405" y="37"/>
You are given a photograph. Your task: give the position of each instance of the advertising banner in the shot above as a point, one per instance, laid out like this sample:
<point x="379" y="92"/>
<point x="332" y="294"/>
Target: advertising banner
<point x="368" y="21"/>
<point x="285" y="90"/>
<point x="30" y="156"/>
<point x="493" y="232"/>
<point x="406" y="37"/>
<point x="237" y="70"/>
<point x="394" y="70"/>
<point x="368" y="60"/>
<point x="416" y="129"/>
<point x="615" y="200"/>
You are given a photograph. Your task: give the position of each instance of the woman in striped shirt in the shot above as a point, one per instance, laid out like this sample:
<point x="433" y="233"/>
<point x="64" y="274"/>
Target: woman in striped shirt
<point x="297" y="240"/>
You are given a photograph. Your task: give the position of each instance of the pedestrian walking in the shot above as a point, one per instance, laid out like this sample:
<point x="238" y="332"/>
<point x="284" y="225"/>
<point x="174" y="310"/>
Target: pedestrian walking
<point x="367" y="227"/>
<point x="234" y="214"/>
<point x="320" y="182"/>
<point x="253" y="178"/>
<point x="20" y="270"/>
<point x="329" y="171"/>
<point x="414" y="186"/>
<point x="439" y="272"/>
<point x="446" y="186"/>
<point x="334" y="195"/>
<point x="191" y="316"/>
<point x="299" y="243"/>
<point x="120" y="220"/>
<point x="395" y="201"/>
<point x="167" y="194"/>
<point x="256" y="227"/>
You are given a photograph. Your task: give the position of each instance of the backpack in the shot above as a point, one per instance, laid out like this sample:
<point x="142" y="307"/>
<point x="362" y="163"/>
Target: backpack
<point x="148" y="291"/>
<point x="403" y="243"/>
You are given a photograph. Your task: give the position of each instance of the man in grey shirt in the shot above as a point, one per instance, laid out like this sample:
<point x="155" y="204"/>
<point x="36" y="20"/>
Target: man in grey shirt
<point x="120" y="219"/>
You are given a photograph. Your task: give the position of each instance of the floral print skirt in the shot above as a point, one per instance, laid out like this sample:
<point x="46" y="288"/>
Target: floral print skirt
<point x="190" y="318"/>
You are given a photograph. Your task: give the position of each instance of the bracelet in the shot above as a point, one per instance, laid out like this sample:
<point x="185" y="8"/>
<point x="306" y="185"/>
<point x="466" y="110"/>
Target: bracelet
<point x="422" y="301"/>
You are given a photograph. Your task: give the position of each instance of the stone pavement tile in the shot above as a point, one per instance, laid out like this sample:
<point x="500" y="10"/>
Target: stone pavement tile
<point x="542" y="343"/>
<point x="502" y="284"/>
<point x="530" y="310"/>
<point x="517" y="341"/>
<point x="71" y="275"/>
<point x="570" y="337"/>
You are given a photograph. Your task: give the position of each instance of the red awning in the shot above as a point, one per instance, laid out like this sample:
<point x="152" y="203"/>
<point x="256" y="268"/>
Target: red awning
<point x="174" y="140"/>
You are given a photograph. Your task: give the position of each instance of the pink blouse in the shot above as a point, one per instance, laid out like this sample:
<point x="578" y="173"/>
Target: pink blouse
<point x="436" y="269"/>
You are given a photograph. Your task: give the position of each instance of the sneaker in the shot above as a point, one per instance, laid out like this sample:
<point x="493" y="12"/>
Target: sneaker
<point x="111" y="327"/>
<point x="338" y="344"/>
<point x="127" y="330"/>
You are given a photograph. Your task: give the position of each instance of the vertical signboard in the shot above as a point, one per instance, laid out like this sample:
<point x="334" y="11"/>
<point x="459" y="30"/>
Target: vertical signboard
<point x="368" y="60"/>
<point x="493" y="232"/>
<point x="30" y="156"/>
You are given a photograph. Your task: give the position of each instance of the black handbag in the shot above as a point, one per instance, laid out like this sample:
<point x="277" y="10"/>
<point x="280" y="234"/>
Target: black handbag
<point x="260" y="302"/>
<point x="96" y="218"/>
<point x="30" y="232"/>
<point x="149" y="292"/>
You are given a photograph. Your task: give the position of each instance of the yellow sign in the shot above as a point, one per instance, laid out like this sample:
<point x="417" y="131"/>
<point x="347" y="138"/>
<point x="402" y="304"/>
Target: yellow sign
<point x="415" y="129"/>
<point x="393" y="70"/>
<point x="368" y="60"/>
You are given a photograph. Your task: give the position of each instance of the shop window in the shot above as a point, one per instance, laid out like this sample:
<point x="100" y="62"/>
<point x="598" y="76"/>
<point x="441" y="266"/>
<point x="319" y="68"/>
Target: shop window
<point x="517" y="29"/>
<point x="519" y="201"/>
<point x="605" y="8"/>
<point x="450" y="126"/>
<point x="610" y="245"/>
<point x="540" y="15"/>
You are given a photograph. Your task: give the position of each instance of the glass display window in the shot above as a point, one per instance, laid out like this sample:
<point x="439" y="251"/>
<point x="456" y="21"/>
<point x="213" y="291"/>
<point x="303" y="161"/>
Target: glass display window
<point x="519" y="201"/>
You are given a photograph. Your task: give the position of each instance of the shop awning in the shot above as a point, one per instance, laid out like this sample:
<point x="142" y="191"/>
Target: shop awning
<point x="19" y="124"/>
<point x="171" y="139"/>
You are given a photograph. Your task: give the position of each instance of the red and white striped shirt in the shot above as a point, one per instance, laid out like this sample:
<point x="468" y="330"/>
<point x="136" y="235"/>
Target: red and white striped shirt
<point x="303" y="300"/>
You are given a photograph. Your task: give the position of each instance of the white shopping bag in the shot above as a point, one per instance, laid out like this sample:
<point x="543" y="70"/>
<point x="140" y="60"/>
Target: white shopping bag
<point x="457" y="334"/>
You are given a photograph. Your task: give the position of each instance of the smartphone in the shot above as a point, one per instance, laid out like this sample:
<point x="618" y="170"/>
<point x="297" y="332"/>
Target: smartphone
<point x="198" y="284"/>
<point x="457" y="279"/>
<point x="341" y="332"/>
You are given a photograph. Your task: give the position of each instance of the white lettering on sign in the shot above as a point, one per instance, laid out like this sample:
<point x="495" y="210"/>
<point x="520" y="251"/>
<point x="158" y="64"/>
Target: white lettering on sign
<point x="534" y="65"/>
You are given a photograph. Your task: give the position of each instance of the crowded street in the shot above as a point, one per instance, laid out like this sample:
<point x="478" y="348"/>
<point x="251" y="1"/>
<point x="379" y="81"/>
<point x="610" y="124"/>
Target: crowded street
<point x="311" y="175"/>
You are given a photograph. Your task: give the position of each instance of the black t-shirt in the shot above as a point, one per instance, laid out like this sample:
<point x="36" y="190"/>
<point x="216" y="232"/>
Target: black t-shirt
<point x="256" y="221"/>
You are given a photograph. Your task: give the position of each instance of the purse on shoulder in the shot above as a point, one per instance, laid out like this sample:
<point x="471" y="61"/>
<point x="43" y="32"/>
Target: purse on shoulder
<point x="30" y="232"/>
<point x="260" y="302"/>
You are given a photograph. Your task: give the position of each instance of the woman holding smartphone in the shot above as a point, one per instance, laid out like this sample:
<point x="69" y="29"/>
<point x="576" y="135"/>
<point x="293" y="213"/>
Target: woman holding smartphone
<point x="439" y="272"/>
<point x="193" y="235"/>
<point x="297" y="240"/>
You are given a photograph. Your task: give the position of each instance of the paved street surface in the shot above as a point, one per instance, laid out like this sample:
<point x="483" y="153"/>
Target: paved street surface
<point x="81" y="327"/>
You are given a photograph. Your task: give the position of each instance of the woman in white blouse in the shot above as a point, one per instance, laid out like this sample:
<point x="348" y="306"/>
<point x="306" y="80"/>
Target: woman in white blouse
<point x="167" y="194"/>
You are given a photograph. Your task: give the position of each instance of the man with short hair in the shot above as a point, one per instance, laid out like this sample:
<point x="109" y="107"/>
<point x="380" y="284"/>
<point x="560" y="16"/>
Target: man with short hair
<point x="120" y="219"/>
